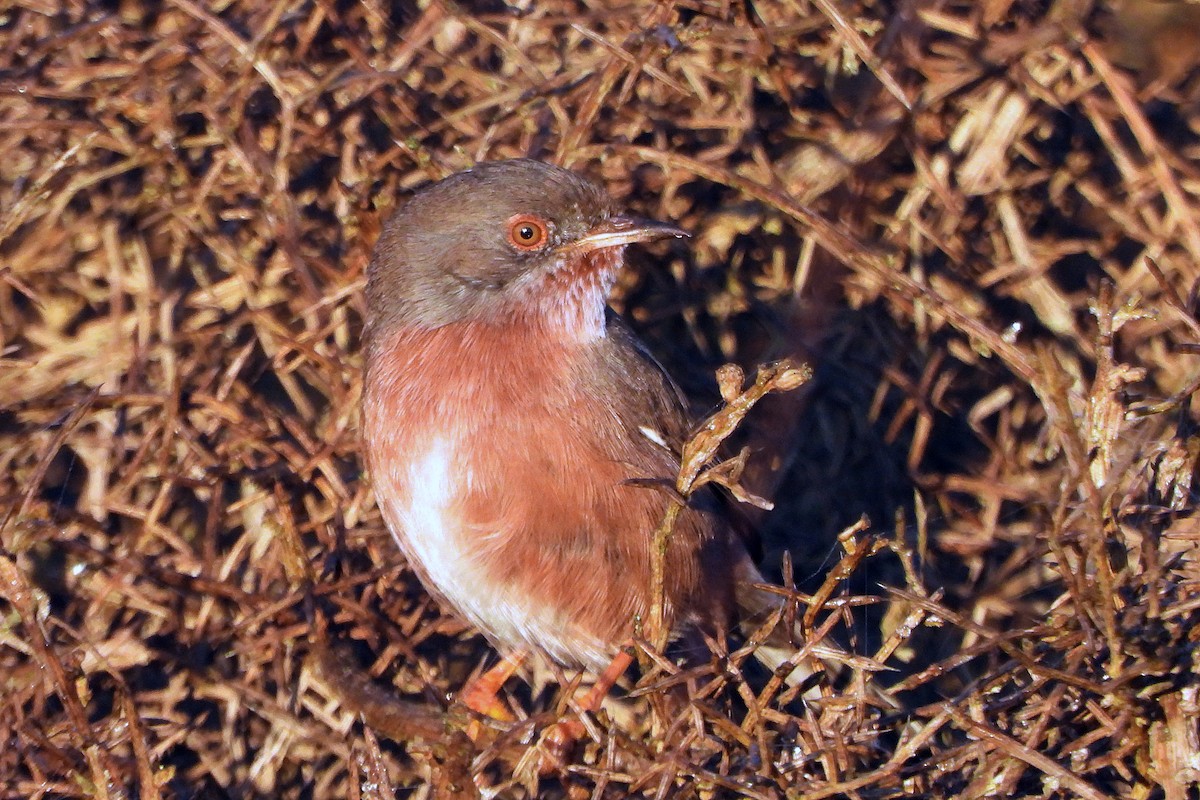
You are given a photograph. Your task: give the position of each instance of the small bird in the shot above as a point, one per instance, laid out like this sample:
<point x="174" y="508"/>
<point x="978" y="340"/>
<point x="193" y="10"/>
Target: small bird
<point x="515" y="427"/>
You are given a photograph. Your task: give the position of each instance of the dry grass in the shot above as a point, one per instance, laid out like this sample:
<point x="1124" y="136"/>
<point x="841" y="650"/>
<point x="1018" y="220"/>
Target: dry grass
<point x="985" y="226"/>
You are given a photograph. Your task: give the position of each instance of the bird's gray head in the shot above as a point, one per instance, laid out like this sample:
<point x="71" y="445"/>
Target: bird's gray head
<point x="503" y="240"/>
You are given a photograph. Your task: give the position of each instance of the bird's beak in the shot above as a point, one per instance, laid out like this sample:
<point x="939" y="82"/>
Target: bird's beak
<point x="622" y="230"/>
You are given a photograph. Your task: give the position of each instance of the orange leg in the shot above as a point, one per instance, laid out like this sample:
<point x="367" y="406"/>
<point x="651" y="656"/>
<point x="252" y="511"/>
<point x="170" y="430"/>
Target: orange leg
<point x="481" y="693"/>
<point x="561" y="736"/>
<point x="590" y="701"/>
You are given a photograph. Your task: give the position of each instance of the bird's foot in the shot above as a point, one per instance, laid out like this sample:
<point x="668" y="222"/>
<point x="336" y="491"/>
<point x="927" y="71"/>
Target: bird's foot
<point x="556" y="743"/>
<point x="482" y="694"/>
<point x="560" y="738"/>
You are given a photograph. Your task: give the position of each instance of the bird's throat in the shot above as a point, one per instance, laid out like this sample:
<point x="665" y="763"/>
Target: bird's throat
<point x="568" y="303"/>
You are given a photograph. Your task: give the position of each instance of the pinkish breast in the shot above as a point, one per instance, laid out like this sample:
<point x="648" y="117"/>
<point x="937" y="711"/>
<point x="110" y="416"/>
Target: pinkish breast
<point x="506" y="488"/>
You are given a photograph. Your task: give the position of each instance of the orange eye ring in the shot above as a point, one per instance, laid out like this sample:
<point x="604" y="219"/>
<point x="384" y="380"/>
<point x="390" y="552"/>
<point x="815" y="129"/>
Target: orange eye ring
<point x="528" y="232"/>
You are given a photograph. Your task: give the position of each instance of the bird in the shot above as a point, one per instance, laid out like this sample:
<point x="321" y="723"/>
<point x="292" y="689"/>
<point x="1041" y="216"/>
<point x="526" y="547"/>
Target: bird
<point x="518" y="433"/>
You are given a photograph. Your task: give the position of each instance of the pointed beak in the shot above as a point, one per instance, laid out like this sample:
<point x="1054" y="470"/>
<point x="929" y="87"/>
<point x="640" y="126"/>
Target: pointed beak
<point x="621" y="230"/>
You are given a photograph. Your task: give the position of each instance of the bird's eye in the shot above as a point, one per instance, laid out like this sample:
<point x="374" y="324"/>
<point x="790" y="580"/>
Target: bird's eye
<point x="527" y="232"/>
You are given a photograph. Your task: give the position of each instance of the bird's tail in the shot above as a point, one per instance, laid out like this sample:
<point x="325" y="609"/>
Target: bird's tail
<point x="780" y="645"/>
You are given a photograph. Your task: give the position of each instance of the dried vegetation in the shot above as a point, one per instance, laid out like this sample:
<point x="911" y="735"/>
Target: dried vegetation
<point x="978" y="222"/>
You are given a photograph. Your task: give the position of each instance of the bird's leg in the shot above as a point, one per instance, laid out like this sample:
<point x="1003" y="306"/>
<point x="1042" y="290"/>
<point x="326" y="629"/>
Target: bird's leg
<point x="562" y="735"/>
<point x="481" y="694"/>
<point x="590" y="701"/>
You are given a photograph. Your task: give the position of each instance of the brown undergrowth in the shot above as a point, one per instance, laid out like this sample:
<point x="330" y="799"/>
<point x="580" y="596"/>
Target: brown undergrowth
<point x="977" y="222"/>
